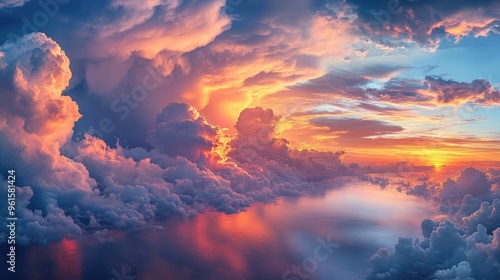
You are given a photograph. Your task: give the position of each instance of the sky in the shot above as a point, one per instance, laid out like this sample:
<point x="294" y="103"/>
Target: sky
<point x="424" y="69"/>
<point x="116" y="113"/>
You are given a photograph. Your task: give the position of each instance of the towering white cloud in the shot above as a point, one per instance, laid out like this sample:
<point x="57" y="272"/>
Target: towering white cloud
<point x="35" y="118"/>
<point x="35" y="121"/>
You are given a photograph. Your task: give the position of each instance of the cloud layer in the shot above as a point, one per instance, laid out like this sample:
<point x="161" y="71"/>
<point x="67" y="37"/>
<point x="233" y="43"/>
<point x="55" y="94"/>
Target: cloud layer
<point x="427" y="22"/>
<point x="464" y="246"/>
<point x="69" y="187"/>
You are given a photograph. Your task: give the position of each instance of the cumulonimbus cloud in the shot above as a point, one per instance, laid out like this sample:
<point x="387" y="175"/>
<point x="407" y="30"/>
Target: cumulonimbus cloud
<point x="91" y="186"/>
<point x="36" y="121"/>
<point x="425" y="23"/>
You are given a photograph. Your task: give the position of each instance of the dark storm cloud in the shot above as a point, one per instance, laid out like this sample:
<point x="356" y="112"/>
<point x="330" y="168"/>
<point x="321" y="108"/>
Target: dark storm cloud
<point x="356" y="128"/>
<point x="400" y="23"/>
<point x="449" y="91"/>
<point x="425" y="22"/>
<point x="432" y="90"/>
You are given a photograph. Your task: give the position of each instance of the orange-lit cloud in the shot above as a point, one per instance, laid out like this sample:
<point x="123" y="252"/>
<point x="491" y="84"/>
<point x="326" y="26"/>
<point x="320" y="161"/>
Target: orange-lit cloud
<point x="160" y="31"/>
<point x="468" y="22"/>
<point x="280" y="56"/>
<point x="426" y="23"/>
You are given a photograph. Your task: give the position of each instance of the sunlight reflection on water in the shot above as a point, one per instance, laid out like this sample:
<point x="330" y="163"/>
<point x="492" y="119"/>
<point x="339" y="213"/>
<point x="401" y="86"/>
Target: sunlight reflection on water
<point x="260" y="243"/>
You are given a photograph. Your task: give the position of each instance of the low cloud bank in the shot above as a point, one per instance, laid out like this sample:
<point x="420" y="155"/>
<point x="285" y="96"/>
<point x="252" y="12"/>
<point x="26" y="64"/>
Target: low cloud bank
<point x="464" y="246"/>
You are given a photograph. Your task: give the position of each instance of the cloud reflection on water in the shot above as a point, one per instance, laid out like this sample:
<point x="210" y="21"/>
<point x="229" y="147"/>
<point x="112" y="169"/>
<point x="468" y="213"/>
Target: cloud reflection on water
<point x="260" y="243"/>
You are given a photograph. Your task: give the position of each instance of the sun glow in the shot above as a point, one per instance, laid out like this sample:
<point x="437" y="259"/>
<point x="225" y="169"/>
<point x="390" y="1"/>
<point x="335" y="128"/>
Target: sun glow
<point x="222" y="148"/>
<point x="434" y="157"/>
<point x="438" y="165"/>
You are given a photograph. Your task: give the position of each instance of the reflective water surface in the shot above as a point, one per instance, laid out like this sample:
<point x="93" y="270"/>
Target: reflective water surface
<point x="262" y="243"/>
